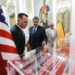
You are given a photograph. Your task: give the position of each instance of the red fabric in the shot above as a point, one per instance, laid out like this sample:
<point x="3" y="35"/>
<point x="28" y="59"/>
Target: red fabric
<point x="5" y="45"/>
<point x="2" y="62"/>
<point x="43" y="9"/>
<point x="64" y="51"/>
<point x="61" y="69"/>
<point x="8" y="49"/>
<point x="3" y="71"/>
<point x="5" y="34"/>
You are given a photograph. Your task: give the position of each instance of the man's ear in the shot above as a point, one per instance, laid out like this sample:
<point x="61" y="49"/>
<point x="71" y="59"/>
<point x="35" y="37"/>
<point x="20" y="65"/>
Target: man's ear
<point x="18" y="20"/>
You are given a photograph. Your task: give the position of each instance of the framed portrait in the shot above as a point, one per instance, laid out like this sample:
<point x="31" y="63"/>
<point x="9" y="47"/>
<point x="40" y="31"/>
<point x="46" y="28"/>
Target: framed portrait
<point x="42" y="8"/>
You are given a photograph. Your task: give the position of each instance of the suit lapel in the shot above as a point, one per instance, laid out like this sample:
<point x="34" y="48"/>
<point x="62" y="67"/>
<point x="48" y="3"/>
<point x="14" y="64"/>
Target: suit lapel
<point x="20" y="31"/>
<point x="37" y="29"/>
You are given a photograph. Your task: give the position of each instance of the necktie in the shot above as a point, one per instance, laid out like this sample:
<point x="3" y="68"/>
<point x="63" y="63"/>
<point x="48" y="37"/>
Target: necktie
<point x="34" y="29"/>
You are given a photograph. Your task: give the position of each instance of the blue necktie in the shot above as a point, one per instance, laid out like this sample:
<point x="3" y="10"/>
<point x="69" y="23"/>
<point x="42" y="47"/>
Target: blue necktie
<point x="34" y="29"/>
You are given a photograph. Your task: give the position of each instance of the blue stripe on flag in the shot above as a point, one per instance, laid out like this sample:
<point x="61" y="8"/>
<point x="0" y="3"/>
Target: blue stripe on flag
<point x="2" y="17"/>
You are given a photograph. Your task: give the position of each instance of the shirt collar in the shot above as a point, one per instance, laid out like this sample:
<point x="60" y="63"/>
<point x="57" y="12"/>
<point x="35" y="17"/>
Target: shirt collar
<point x="52" y="29"/>
<point x="20" y="28"/>
<point x="36" y="27"/>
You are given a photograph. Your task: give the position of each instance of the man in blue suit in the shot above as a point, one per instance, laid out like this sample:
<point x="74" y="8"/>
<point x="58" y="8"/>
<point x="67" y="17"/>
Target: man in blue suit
<point x="37" y="35"/>
<point x="18" y="34"/>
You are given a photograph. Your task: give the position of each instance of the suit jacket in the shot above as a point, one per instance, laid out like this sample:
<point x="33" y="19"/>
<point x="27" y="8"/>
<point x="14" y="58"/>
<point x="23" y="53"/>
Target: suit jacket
<point x="19" y="38"/>
<point x="49" y="35"/>
<point x="35" y="39"/>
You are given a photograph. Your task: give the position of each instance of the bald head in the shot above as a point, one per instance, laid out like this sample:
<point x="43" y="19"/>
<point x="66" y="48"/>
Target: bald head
<point x="51" y="25"/>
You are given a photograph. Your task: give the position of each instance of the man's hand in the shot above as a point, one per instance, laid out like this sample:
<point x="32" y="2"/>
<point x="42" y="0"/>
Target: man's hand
<point x="43" y="43"/>
<point x="51" y="44"/>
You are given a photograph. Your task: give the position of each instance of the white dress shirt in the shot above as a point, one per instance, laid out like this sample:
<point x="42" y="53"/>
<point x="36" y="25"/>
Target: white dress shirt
<point x="52" y="30"/>
<point x="35" y="28"/>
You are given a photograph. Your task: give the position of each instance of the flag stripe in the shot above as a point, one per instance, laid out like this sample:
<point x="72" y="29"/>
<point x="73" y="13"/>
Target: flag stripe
<point x="9" y="49"/>
<point x="4" y="27"/>
<point x="5" y="34"/>
<point x="9" y="56"/>
<point x="7" y="44"/>
<point x="5" y="41"/>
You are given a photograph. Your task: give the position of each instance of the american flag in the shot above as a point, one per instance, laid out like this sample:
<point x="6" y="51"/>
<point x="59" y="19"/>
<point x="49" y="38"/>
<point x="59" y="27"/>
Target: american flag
<point x="8" y="49"/>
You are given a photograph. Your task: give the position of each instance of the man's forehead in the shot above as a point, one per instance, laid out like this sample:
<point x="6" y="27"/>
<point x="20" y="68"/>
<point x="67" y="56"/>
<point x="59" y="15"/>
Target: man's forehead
<point x="51" y="24"/>
<point x="35" y="19"/>
<point x="24" y="17"/>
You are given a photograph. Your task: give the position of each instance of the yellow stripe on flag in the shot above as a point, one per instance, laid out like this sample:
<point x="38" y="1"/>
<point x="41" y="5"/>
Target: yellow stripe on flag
<point x="60" y="32"/>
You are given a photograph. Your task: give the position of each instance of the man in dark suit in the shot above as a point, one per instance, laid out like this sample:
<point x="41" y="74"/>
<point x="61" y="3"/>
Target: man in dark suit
<point x="37" y="35"/>
<point x="18" y="34"/>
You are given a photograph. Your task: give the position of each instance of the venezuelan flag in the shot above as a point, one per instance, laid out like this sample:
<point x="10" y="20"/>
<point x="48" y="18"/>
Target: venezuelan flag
<point x="61" y="33"/>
